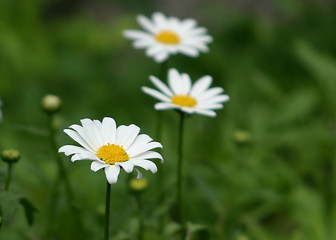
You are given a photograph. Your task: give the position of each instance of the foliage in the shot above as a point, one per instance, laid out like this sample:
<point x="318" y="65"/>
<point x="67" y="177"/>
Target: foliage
<point x="280" y="74"/>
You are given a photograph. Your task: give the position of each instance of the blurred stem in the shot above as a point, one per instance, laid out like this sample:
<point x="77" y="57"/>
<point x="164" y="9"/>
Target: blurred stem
<point x="180" y="216"/>
<point x="107" y="211"/>
<point x="140" y="214"/>
<point x="163" y="69"/>
<point x="9" y="176"/>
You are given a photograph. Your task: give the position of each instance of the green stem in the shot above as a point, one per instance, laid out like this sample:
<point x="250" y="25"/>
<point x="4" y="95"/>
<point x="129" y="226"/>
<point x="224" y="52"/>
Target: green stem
<point x="9" y="176"/>
<point x="180" y="170"/>
<point x="163" y="71"/>
<point x="141" y="222"/>
<point x="107" y="211"/>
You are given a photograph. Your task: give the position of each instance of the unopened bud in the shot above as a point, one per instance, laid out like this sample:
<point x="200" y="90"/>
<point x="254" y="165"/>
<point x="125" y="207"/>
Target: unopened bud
<point x="10" y="155"/>
<point x="51" y="103"/>
<point x="138" y="185"/>
<point x="242" y="136"/>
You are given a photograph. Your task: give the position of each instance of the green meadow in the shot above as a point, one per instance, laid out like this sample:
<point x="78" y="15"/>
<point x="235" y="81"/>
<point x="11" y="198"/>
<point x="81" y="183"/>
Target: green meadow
<point x="262" y="169"/>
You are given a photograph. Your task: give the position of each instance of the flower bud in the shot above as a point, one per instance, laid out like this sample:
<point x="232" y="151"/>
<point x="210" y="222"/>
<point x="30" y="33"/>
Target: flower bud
<point x="10" y="155"/>
<point x="242" y="136"/>
<point x="138" y="185"/>
<point x="51" y="103"/>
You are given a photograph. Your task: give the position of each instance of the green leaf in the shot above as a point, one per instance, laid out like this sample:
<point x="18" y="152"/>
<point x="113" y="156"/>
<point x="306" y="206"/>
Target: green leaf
<point x="171" y="228"/>
<point x="9" y="206"/>
<point x="29" y="210"/>
<point x="194" y="227"/>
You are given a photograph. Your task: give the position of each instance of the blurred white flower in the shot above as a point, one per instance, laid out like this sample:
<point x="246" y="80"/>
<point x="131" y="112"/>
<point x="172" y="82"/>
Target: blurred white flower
<point x="185" y="96"/>
<point x="111" y="148"/>
<point x="165" y="36"/>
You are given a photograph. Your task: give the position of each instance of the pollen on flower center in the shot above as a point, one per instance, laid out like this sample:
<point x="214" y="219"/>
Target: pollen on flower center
<point x="184" y="100"/>
<point x="111" y="154"/>
<point x="167" y="37"/>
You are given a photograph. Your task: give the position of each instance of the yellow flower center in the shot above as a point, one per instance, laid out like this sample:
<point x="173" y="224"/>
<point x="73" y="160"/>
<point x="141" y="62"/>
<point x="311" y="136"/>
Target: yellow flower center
<point x="111" y="154"/>
<point x="167" y="37"/>
<point x="184" y="100"/>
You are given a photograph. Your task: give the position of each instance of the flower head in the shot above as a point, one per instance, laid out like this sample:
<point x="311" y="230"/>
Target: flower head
<point x="51" y="103"/>
<point x="10" y="155"/>
<point x="111" y="147"/>
<point x="138" y="185"/>
<point x="165" y="36"/>
<point x="191" y="98"/>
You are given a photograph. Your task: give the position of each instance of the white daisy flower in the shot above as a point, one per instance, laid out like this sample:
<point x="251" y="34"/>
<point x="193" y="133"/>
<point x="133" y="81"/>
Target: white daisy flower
<point x="111" y="148"/>
<point x="165" y="36"/>
<point x="188" y="98"/>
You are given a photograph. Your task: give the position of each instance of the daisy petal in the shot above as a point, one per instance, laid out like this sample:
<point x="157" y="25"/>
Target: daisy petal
<point x="147" y="24"/>
<point x="189" y="51"/>
<point x="210" y="106"/>
<point x="137" y="35"/>
<point x="159" y="19"/>
<point x="156" y="94"/>
<point x="161" y="57"/>
<point x="186" y="83"/>
<point x="189" y="23"/>
<point x="150" y="155"/>
<point x="164" y="105"/>
<point x="161" y="86"/>
<point x="209" y="93"/>
<point x="70" y="149"/>
<point x="141" y="149"/>
<point x="108" y="130"/>
<point x="127" y="166"/>
<point x="140" y="140"/>
<point x="76" y="157"/>
<point x="139" y="174"/>
<point x="112" y="173"/>
<point x="75" y="136"/>
<point x="80" y="130"/>
<point x="216" y="99"/>
<point x="198" y="31"/>
<point x="206" y="112"/>
<point x="96" y="165"/>
<point x="201" y="85"/>
<point x="174" y="81"/>
<point x="142" y="44"/>
<point x="120" y="133"/>
<point x="188" y="109"/>
<point x="154" y="50"/>
<point x="145" y="164"/>
<point x="129" y="136"/>
<point x="81" y="153"/>
<point x="90" y="130"/>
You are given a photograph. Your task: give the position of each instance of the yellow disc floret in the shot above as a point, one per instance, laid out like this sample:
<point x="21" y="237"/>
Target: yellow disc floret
<point x="167" y="37"/>
<point x="111" y="154"/>
<point x="184" y="100"/>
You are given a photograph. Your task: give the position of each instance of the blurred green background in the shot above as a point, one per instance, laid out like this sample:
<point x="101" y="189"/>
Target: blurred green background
<point x="263" y="169"/>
